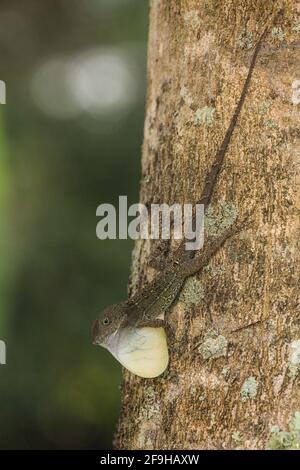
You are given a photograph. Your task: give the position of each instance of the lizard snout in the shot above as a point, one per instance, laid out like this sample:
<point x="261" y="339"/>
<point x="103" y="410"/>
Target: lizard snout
<point x="95" y="331"/>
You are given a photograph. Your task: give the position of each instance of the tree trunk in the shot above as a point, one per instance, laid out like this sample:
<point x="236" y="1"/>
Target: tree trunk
<point x="234" y="371"/>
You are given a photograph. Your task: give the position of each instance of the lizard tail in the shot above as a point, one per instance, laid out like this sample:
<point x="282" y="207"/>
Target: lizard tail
<point x="212" y="176"/>
<point x="217" y="164"/>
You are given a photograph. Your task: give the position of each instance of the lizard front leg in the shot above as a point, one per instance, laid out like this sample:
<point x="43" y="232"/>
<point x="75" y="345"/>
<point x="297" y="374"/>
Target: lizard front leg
<point x="159" y="323"/>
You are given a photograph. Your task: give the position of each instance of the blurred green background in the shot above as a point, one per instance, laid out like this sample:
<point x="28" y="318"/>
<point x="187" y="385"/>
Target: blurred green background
<point x="70" y="139"/>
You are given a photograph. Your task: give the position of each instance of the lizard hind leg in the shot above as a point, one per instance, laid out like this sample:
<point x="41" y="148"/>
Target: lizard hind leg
<point x="210" y="248"/>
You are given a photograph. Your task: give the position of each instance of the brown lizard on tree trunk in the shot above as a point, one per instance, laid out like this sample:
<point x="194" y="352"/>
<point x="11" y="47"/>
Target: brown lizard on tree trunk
<point x="134" y="330"/>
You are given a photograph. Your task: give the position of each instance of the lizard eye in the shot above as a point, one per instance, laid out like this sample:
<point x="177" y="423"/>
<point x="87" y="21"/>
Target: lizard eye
<point x="105" y="321"/>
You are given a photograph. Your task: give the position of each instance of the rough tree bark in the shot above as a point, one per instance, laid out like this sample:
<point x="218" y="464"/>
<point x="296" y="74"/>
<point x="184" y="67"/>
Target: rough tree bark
<point x="228" y="383"/>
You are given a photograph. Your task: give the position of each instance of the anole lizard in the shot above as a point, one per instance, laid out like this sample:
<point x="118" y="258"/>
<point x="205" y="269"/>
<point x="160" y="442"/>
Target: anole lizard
<point x="134" y="330"/>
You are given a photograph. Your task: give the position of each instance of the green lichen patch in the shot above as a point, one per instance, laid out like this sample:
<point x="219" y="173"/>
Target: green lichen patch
<point x="226" y="372"/>
<point x="296" y="26"/>
<point x="278" y="33"/>
<point x="215" y="271"/>
<point x="151" y="406"/>
<point x="286" y="440"/>
<point x="294" y="358"/>
<point x="271" y="124"/>
<point x="192" y="292"/>
<point x="236" y="437"/>
<point x="264" y="107"/>
<point x="185" y="95"/>
<point x="192" y="20"/>
<point x="204" y="116"/>
<point x="221" y="218"/>
<point x="295" y="422"/>
<point x="213" y="347"/>
<point x="245" y="40"/>
<point x="249" y="389"/>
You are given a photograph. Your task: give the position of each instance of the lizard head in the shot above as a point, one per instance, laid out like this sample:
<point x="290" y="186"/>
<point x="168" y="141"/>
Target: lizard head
<point x="142" y="350"/>
<point x="108" y="323"/>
